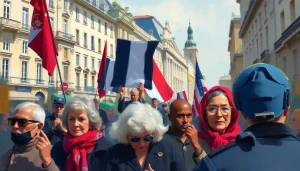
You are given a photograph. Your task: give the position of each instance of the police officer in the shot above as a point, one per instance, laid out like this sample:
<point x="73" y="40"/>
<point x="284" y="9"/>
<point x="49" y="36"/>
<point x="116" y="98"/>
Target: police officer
<point x="262" y="93"/>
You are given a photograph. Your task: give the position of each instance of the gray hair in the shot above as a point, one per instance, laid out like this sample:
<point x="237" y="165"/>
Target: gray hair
<point x="136" y="119"/>
<point x="38" y="113"/>
<point x="215" y="93"/>
<point x="134" y="90"/>
<point x="82" y="103"/>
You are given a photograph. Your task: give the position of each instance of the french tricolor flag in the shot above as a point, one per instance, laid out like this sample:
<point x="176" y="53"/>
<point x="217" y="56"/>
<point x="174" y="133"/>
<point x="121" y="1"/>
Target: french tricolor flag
<point x="182" y="95"/>
<point x="133" y="63"/>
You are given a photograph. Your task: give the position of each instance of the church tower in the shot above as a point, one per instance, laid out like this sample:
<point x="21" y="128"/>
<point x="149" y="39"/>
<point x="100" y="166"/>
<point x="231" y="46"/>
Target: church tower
<point x="190" y="47"/>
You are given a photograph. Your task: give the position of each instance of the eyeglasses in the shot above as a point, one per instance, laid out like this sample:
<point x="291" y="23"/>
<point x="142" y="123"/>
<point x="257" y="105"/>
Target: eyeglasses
<point x="21" y="122"/>
<point x="212" y="109"/>
<point x="148" y="138"/>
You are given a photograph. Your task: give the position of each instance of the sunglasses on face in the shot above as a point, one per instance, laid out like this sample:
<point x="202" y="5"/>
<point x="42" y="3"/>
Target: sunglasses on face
<point x="148" y="138"/>
<point x="21" y="122"/>
<point x="213" y="109"/>
<point x="59" y="106"/>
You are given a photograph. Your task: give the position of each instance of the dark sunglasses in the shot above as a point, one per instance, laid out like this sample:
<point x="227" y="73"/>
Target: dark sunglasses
<point x="21" y="122"/>
<point x="148" y="138"/>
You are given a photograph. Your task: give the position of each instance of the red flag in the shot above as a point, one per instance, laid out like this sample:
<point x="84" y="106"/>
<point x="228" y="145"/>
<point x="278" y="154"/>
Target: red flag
<point x="41" y="39"/>
<point x="102" y="72"/>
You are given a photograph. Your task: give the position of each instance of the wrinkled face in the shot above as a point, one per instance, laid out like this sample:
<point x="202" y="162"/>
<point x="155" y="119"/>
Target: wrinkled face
<point x="181" y="116"/>
<point x="134" y="96"/>
<point x="143" y="144"/>
<point x="23" y="123"/>
<point x="218" y="113"/>
<point x="154" y="103"/>
<point x="58" y="109"/>
<point x="78" y="123"/>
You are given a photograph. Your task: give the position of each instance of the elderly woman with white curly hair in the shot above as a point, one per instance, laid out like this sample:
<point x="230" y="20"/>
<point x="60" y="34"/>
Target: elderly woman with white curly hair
<point x="83" y="146"/>
<point x="139" y="131"/>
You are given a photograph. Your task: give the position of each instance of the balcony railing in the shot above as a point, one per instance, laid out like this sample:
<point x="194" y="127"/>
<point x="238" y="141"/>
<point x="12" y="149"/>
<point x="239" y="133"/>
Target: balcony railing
<point x="10" y="24"/>
<point x="40" y="81"/>
<point x="265" y="54"/>
<point x="65" y="36"/>
<point x="25" y="27"/>
<point x="288" y="32"/>
<point x="5" y="78"/>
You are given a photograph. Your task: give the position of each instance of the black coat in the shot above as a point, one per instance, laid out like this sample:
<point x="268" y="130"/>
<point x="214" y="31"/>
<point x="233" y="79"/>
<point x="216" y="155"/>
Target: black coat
<point x="162" y="156"/>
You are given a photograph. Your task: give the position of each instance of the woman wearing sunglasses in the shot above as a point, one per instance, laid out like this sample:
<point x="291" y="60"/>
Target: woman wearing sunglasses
<point x="218" y="119"/>
<point x="139" y="131"/>
<point x="83" y="146"/>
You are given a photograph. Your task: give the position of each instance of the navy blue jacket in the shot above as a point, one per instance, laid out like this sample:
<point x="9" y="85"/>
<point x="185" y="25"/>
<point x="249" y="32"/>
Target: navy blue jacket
<point x="262" y="147"/>
<point x="123" y="104"/>
<point x="53" y="135"/>
<point x="164" y="116"/>
<point x="94" y="158"/>
<point x="162" y="156"/>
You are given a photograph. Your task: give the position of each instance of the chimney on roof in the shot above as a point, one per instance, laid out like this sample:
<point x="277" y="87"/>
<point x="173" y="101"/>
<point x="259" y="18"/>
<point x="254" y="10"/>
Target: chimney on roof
<point x="126" y="9"/>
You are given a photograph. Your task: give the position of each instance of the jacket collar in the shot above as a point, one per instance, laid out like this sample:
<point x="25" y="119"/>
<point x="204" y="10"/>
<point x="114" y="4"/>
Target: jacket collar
<point x="27" y="147"/>
<point x="270" y="129"/>
<point x="155" y="152"/>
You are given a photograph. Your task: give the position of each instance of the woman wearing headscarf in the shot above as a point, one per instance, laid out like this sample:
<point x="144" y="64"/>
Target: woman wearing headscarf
<point x="139" y="131"/>
<point x="218" y="119"/>
<point x="83" y="146"/>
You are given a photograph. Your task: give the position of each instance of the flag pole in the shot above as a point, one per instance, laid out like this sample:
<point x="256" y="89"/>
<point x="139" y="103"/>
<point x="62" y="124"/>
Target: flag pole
<point x="105" y="75"/>
<point x="57" y="64"/>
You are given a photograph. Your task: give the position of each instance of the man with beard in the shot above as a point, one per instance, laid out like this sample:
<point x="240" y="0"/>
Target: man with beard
<point x="183" y="134"/>
<point x="32" y="149"/>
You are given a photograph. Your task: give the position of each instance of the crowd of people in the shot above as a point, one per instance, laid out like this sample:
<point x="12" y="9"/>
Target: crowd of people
<point x="80" y="136"/>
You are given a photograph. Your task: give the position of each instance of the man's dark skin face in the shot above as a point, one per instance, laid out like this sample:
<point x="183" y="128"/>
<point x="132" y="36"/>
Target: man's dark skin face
<point x="180" y="115"/>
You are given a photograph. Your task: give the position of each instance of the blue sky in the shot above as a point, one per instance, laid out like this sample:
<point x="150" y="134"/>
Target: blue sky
<point x="210" y="20"/>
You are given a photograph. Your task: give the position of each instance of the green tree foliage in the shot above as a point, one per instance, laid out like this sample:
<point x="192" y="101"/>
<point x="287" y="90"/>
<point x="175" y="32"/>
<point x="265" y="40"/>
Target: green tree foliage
<point x="116" y="4"/>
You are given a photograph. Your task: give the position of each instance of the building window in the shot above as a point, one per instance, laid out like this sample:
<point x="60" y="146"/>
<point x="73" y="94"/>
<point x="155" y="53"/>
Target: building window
<point x="93" y="63"/>
<point x="65" y="26"/>
<point x="77" y="79"/>
<point x="99" y="25"/>
<point x="66" y="5"/>
<point x="6" y="10"/>
<point x="292" y="9"/>
<point x="260" y="19"/>
<point x="66" y="72"/>
<point x="25" y="47"/>
<point x="51" y="5"/>
<point x="111" y="31"/>
<point x="93" y="21"/>
<point x="99" y="45"/>
<point x="25" y="18"/>
<point x="77" y="37"/>
<point x="65" y="53"/>
<point x="295" y="62"/>
<point x="284" y="64"/>
<point x="111" y="50"/>
<point x="267" y="37"/>
<point x="77" y="13"/>
<point x="52" y="22"/>
<point x="85" y="81"/>
<point x="85" y="61"/>
<point x="99" y="63"/>
<point x="85" y="17"/>
<point x="24" y="71"/>
<point x="51" y="79"/>
<point x="5" y="68"/>
<point x="39" y="72"/>
<point x="85" y="40"/>
<point x="6" y="44"/>
<point x="266" y="12"/>
<point x="261" y="42"/>
<point x="92" y="43"/>
<point x="282" y="21"/>
<point x="105" y="28"/>
<point x="77" y="59"/>
<point x="93" y="81"/>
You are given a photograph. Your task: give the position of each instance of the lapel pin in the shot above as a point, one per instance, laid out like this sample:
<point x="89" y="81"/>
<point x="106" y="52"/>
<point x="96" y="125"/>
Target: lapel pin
<point x="160" y="154"/>
<point x="184" y="148"/>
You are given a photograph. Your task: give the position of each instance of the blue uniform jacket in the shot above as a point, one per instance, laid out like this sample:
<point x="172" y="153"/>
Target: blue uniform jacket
<point x="94" y="158"/>
<point x="164" y="116"/>
<point x="162" y="156"/>
<point x="53" y="135"/>
<point x="123" y="104"/>
<point x="262" y="147"/>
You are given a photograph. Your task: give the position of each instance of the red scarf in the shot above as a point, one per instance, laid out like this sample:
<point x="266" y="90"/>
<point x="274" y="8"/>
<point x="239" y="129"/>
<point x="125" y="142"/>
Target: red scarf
<point x="213" y="138"/>
<point x="78" y="148"/>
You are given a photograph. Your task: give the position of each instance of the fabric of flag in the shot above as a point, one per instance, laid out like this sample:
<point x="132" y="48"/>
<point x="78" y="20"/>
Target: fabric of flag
<point x="41" y="39"/>
<point x="134" y="64"/>
<point x="104" y="83"/>
<point x="102" y="73"/>
<point x="199" y="90"/>
<point x="160" y="88"/>
<point x="182" y="95"/>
